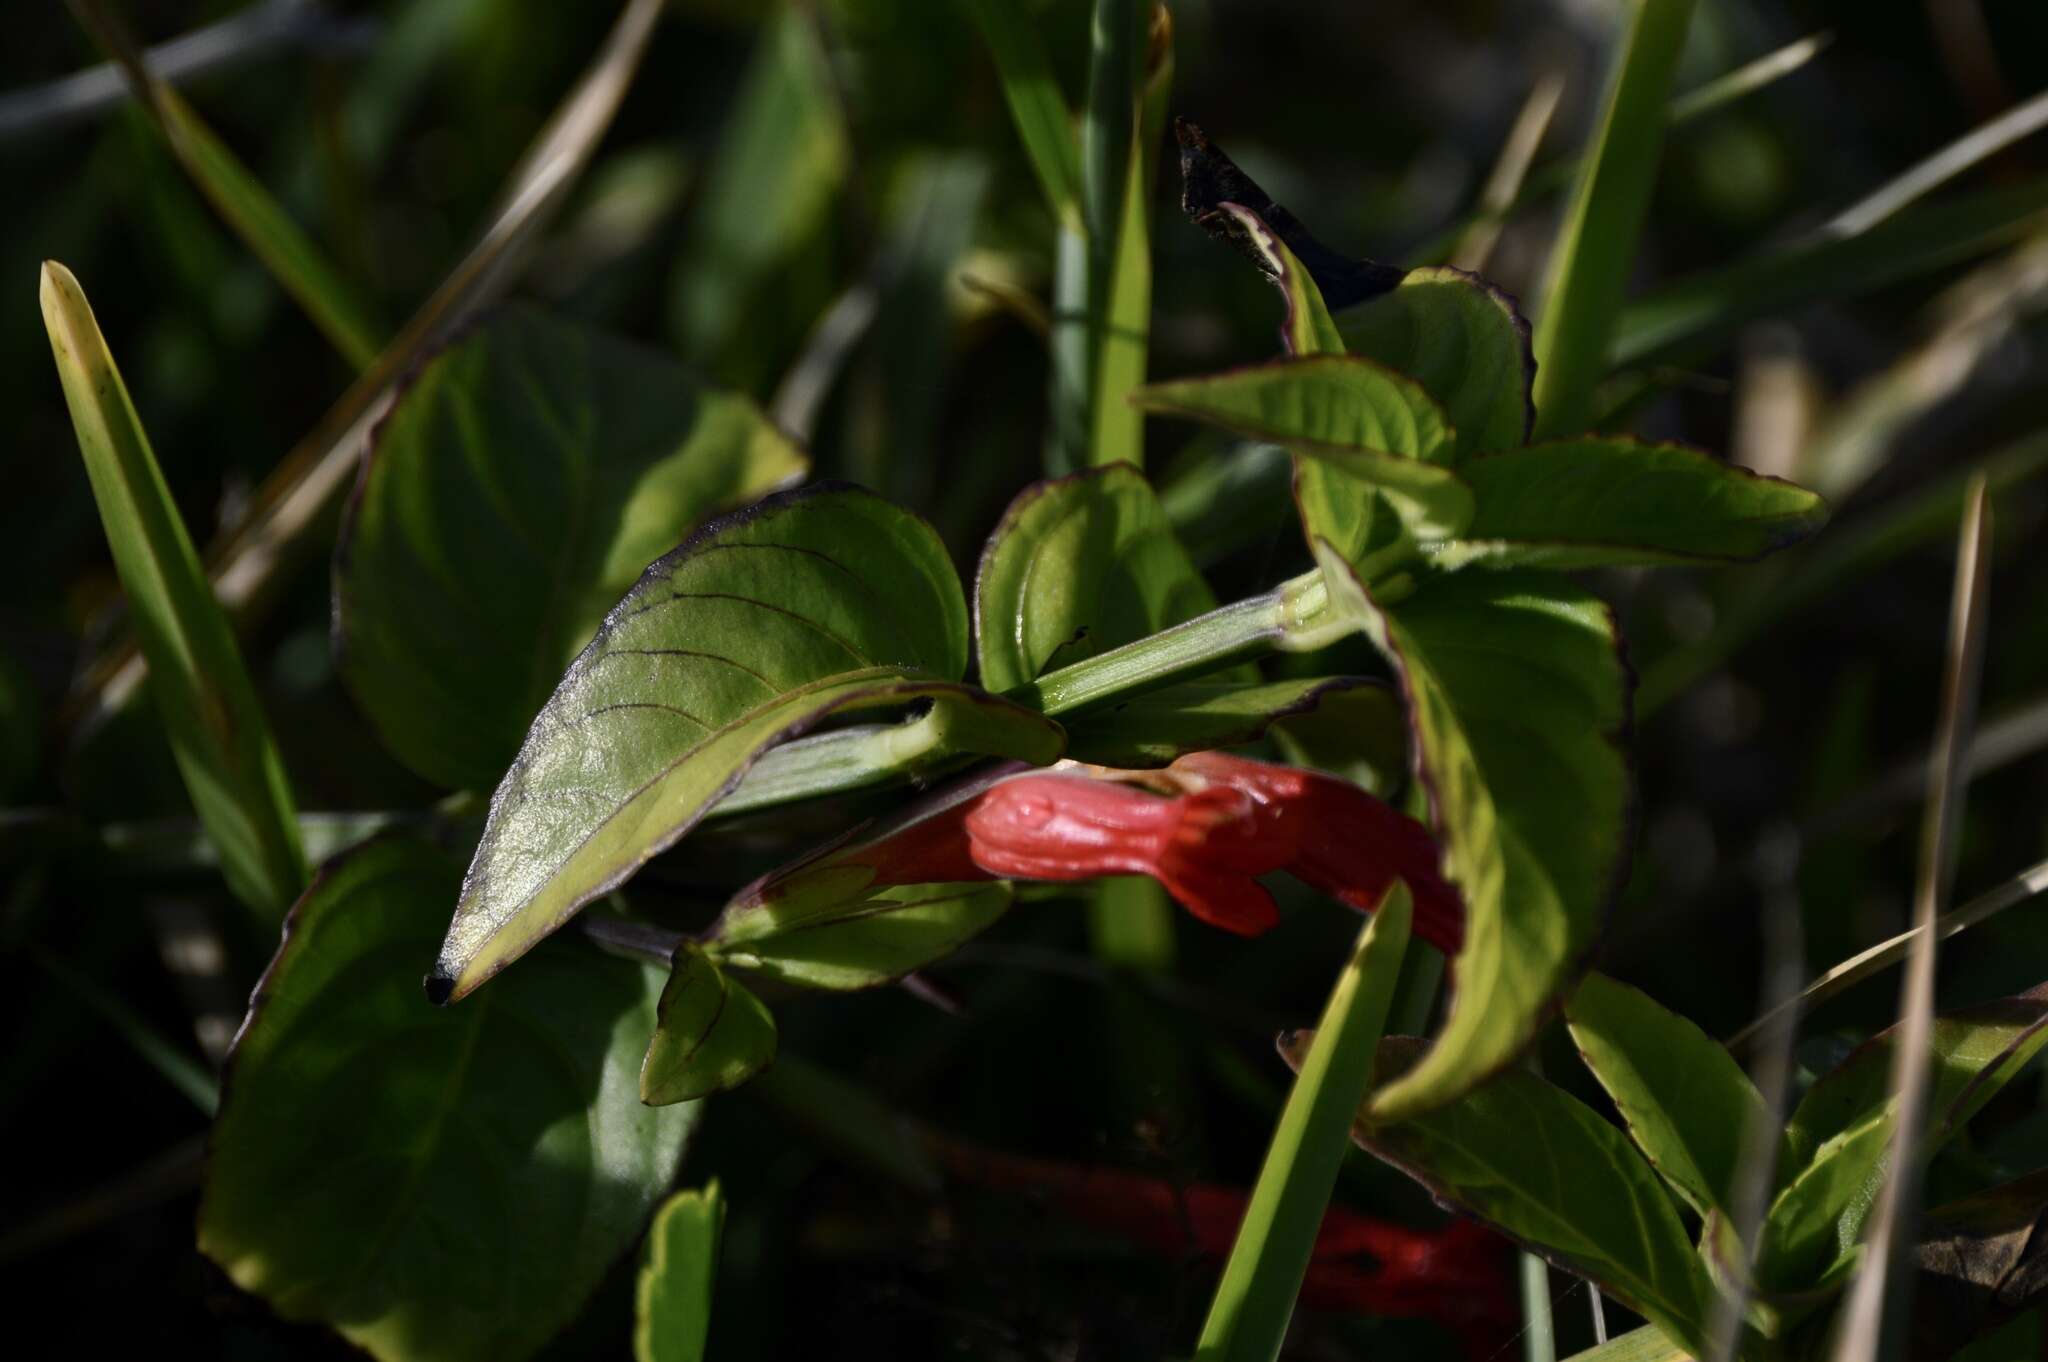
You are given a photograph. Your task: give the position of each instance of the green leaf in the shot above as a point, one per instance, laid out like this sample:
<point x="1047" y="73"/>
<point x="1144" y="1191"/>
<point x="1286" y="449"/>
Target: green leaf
<point x="1153" y="728"/>
<point x="1254" y="1300"/>
<point x="1687" y="1103"/>
<point x="519" y="485"/>
<point x="1924" y="238"/>
<point x="1464" y="341"/>
<point x="1079" y="565"/>
<point x="1306" y="329"/>
<point x="1612" y="500"/>
<point x="434" y="1185"/>
<point x="1590" y="263"/>
<point x="1977" y="1051"/>
<point x="819" y="930"/>
<point x="1336" y="401"/>
<point x="1518" y="701"/>
<point x="1647" y="1344"/>
<point x="712" y="1034"/>
<point x="1546" y="1170"/>
<point x="1119" y="433"/>
<point x="814" y="603"/>
<point x="240" y="198"/>
<point x="1814" y="1227"/>
<point x="1360" y="427"/>
<point x="1044" y="122"/>
<point x="1360" y="735"/>
<point x="216" y="728"/>
<point x="672" y="1301"/>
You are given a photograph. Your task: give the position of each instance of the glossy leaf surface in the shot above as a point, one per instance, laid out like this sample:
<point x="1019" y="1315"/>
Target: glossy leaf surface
<point x="1612" y="500"/>
<point x="433" y="1184"/>
<point x="520" y="484"/>
<point x="1517" y="700"/>
<point x="764" y="624"/>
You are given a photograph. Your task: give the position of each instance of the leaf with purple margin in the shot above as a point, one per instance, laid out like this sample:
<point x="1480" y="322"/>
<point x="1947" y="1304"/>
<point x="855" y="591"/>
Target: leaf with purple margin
<point x="711" y="1035"/>
<point x="1465" y="342"/>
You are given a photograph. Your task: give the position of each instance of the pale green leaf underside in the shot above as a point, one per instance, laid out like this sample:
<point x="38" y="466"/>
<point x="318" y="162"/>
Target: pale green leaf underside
<point x="759" y="627"/>
<point x="1079" y="565"/>
<point x="672" y="1298"/>
<point x="712" y="1034"/>
<point x="437" y="1185"/>
<point x="1549" y="1171"/>
<point x="1612" y="500"/>
<point x="519" y="486"/>
<point x="1517" y="700"/>
<point x="1687" y="1103"/>
<point x="809" y="936"/>
<point x="1153" y="728"/>
<point x="1464" y="342"/>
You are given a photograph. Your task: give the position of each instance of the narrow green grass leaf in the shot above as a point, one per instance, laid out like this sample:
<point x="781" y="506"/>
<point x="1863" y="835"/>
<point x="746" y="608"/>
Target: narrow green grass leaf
<point x="1255" y="1298"/>
<point x="1609" y="500"/>
<point x="1045" y="123"/>
<point x="240" y="198"/>
<point x="1709" y="307"/>
<point x="437" y="1186"/>
<point x="711" y="1033"/>
<point x="1077" y="566"/>
<point x="173" y="1063"/>
<point x="672" y="1297"/>
<point x="1647" y="1344"/>
<point x="517" y="487"/>
<point x="1687" y="1104"/>
<point x="1589" y="265"/>
<point x="217" y="731"/>
<point x="819" y="602"/>
<point x="1548" y="1171"/>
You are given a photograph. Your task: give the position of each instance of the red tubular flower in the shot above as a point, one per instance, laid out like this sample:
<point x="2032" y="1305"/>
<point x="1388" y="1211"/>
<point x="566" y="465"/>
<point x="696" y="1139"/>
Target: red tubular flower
<point x="1234" y="820"/>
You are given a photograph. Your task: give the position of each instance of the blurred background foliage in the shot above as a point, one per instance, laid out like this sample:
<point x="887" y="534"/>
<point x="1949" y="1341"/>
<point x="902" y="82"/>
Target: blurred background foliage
<point x="825" y="205"/>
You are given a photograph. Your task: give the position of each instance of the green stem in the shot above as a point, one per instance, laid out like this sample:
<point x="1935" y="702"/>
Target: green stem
<point x="1539" y="1337"/>
<point x="1590" y="265"/>
<point x="1255" y="1297"/>
<point x="1295" y="616"/>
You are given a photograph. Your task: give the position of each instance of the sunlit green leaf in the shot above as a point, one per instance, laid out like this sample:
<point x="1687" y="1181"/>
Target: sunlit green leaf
<point x="1045" y="123"/>
<point x="1611" y="500"/>
<point x="765" y="623"/>
<point x="1079" y="565"/>
<point x="672" y="1301"/>
<point x="712" y="1034"/>
<point x="433" y="1184"/>
<point x="1518" y="700"/>
<point x="818" y="936"/>
<point x="1464" y="341"/>
<point x="216" y="728"/>
<point x="518" y="487"/>
<point x="1688" y="1105"/>
<point x="1545" y="1169"/>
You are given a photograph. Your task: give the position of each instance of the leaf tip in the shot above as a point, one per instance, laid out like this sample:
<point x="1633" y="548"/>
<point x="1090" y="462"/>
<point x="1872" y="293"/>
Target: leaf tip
<point x="440" y="987"/>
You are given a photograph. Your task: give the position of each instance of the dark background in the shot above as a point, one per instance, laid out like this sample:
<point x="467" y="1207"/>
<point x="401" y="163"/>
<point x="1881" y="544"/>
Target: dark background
<point x="389" y="130"/>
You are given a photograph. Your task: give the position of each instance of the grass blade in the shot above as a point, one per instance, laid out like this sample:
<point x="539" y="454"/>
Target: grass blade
<point x="1504" y="185"/>
<point x="1255" y="1298"/>
<point x="1118" y="434"/>
<point x="173" y="1064"/>
<point x="1706" y="308"/>
<point x="1590" y="263"/>
<point x="216" y="729"/>
<point x="2022" y="120"/>
<point x="240" y="198"/>
<point x="1872" y="1318"/>
<point x="302" y="494"/>
<point x="1044" y="122"/>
